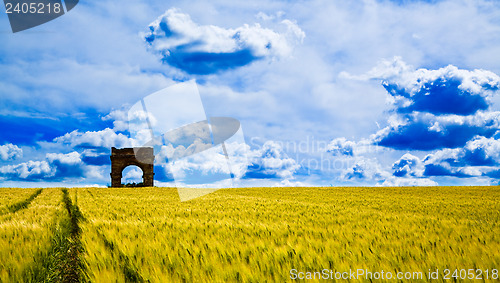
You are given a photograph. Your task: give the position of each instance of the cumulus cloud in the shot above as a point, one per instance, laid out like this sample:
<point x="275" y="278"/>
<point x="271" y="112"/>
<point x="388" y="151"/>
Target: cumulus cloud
<point x="171" y="152"/>
<point x="408" y="165"/>
<point x="425" y="131"/>
<point x="445" y="112"/>
<point x="366" y="169"/>
<point x="288" y="183"/>
<point x="66" y="165"/>
<point x="435" y="109"/>
<point x="206" y="49"/>
<point x="447" y="90"/>
<point x="270" y="161"/>
<point x="56" y="166"/>
<point x="407" y="171"/>
<point x="267" y="162"/>
<point x="31" y="170"/>
<point x="481" y="151"/>
<point x="408" y="182"/>
<point x="105" y="138"/>
<point x="10" y="152"/>
<point x="208" y="164"/>
<point x="480" y="156"/>
<point x="132" y="174"/>
<point x="67" y="159"/>
<point x="119" y="118"/>
<point x="341" y="146"/>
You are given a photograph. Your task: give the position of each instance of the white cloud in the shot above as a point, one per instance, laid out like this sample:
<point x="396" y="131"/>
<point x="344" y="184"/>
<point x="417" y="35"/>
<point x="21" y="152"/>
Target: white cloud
<point x="10" y="152"/>
<point x="173" y="153"/>
<point x="434" y="108"/>
<point x="98" y="173"/>
<point x="490" y="146"/>
<point x="479" y="82"/>
<point x="271" y="160"/>
<point x="119" y="118"/>
<point x="410" y="182"/>
<point x="288" y="183"/>
<point x="28" y="170"/>
<point x="408" y="165"/>
<point x="341" y="146"/>
<point x="269" y="17"/>
<point x="483" y="121"/>
<point x="479" y="151"/>
<point x="214" y="39"/>
<point x="133" y="173"/>
<point x="207" y="160"/>
<point x="210" y="161"/>
<point x="55" y="167"/>
<point x="71" y="158"/>
<point x="366" y="170"/>
<point x="105" y="138"/>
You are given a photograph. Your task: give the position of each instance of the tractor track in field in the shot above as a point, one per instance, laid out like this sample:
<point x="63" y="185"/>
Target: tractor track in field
<point x="74" y="269"/>
<point x="63" y="262"/>
<point x="13" y="208"/>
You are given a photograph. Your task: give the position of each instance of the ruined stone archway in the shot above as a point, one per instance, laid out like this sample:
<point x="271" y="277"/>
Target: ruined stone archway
<point x="142" y="157"/>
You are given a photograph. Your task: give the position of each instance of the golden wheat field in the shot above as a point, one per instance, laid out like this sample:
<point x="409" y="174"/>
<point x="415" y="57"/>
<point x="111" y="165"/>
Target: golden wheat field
<point x="249" y="234"/>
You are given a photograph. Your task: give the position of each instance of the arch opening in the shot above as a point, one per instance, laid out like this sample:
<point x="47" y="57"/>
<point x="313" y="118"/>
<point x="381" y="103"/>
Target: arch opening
<point x="132" y="176"/>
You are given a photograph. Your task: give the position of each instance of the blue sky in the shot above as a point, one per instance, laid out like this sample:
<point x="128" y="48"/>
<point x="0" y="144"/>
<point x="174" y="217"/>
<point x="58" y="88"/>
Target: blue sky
<point x="327" y="92"/>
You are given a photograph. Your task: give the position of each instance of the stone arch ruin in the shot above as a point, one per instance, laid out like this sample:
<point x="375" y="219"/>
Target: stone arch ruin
<point x="142" y="157"/>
